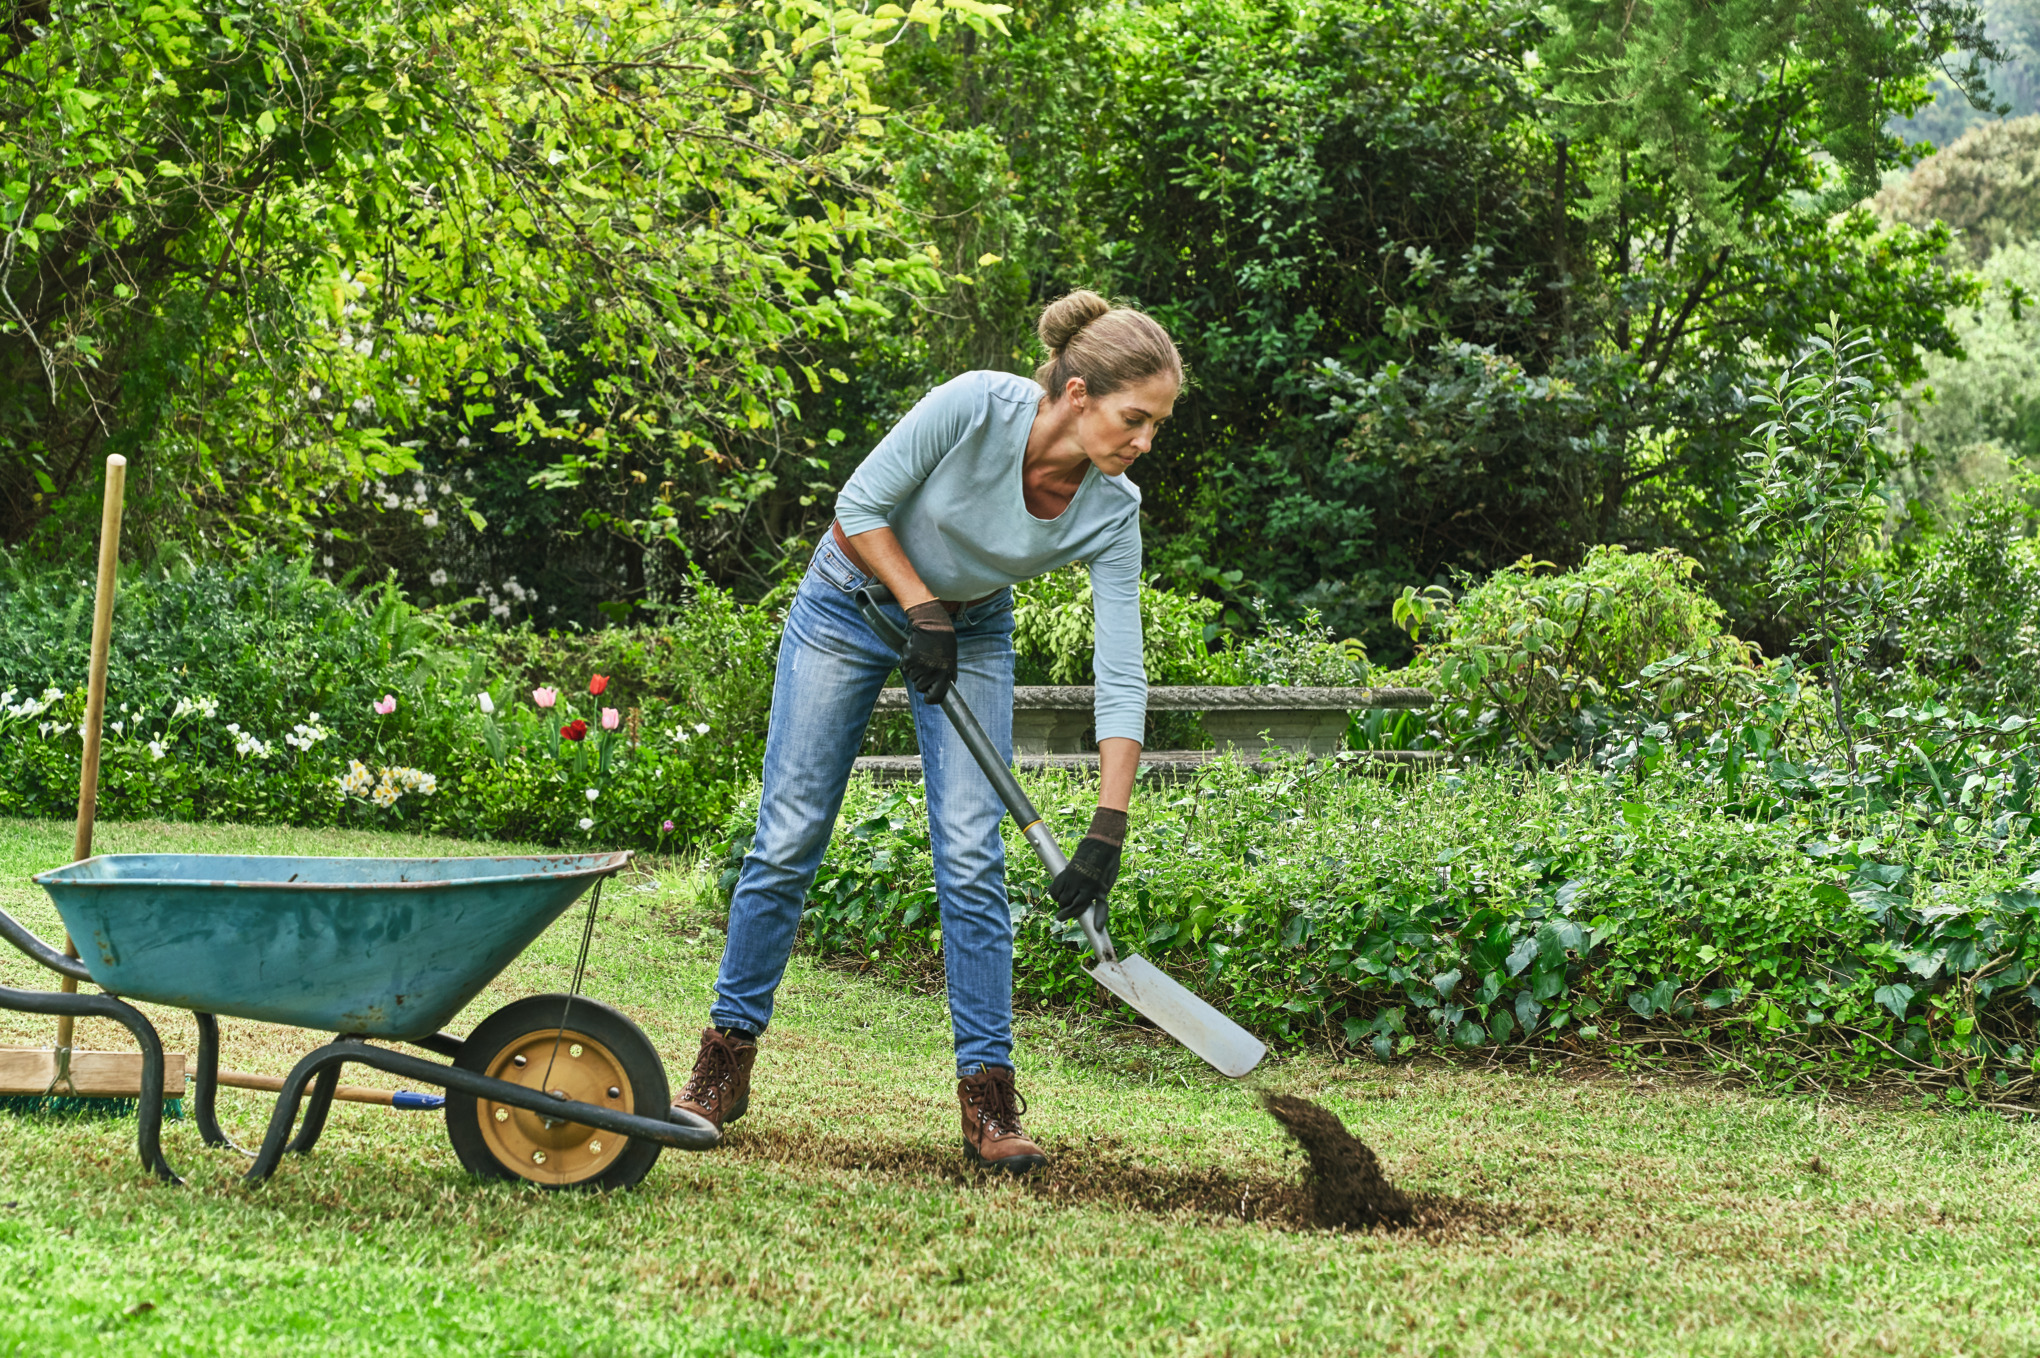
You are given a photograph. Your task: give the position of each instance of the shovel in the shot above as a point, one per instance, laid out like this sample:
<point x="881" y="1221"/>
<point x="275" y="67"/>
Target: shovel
<point x="1228" y="1048"/>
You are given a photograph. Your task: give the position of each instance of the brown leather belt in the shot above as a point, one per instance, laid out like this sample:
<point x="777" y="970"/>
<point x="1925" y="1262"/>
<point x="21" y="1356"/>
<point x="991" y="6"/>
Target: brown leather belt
<point x="843" y="543"/>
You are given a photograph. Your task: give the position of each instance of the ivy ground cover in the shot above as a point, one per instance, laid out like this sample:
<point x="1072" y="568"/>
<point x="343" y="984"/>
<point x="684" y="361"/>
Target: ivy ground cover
<point x="1493" y="911"/>
<point x="1602" y="1216"/>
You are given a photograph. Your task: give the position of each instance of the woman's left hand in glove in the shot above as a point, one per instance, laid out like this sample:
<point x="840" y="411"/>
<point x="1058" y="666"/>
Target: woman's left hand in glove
<point x="1093" y="868"/>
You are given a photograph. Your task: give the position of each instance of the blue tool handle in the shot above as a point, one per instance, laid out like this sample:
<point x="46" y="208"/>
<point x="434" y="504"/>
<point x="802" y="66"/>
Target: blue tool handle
<point x="411" y="1098"/>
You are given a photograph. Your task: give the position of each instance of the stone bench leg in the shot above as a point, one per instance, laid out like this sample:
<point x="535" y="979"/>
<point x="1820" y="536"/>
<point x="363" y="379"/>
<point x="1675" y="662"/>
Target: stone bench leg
<point x="1306" y="732"/>
<point x="1047" y="730"/>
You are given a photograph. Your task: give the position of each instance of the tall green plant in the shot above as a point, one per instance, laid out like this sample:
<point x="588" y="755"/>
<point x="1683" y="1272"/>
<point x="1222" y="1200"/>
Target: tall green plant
<point x="1811" y="484"/>
<point x="268" y="249"/>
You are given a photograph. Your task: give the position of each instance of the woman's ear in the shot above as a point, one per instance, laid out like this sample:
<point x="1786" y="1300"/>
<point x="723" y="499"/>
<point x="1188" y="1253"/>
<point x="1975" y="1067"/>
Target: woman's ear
<point x="1077" y="392"/>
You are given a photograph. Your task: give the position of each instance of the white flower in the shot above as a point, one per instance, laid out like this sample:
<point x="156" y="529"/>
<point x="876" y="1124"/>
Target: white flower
<point x="392" y="500"/>
<point x="587" y="823"/>
<point x="156" y="749"/>
<point x="326" y="560"/>
<point x="591" y="794"/>
<point x="418" y="489"/>
<point x="462" y="442"/>
<point x="430" y="520"/>
<point x="701" y="728"/>
<point x="119" y="728"/>
<point x="488" y="703"/>
<point x="436" y="579"/>
<point x="446" y="487"/>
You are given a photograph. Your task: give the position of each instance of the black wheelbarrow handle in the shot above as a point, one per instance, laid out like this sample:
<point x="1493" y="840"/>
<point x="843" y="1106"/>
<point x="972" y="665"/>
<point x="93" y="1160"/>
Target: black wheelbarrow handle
<point x="327" y="1060"/>
<point x="871" y="600"/>
<point x="17" y="933"/>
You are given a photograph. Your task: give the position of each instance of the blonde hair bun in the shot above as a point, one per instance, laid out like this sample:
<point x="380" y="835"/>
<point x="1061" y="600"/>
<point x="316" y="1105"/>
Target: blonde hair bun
<point x="1107" y="346"/>
<point x="1065" y="318"/>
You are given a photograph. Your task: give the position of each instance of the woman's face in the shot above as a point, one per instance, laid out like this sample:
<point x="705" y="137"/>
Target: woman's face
<point x="1117" y="428"/>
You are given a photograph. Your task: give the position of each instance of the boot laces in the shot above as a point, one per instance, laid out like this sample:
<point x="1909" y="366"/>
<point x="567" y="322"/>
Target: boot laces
<point x="713" y="1067"/>
<point x="1000" y="1105"/>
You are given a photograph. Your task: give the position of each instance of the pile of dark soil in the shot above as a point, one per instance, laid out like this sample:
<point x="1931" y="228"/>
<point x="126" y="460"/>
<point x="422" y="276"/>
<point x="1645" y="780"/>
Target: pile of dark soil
<point x="1346" y="1187"/>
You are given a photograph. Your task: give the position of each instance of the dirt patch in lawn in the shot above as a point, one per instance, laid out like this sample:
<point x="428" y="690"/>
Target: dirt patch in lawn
<point x="1104" y="1172"/>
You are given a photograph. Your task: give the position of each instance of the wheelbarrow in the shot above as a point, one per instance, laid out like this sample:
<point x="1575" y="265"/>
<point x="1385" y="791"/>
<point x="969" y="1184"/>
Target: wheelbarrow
<point x="559" y="1090"/>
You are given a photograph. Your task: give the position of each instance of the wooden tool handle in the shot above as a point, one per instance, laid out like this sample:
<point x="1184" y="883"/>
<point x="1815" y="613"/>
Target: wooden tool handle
<point x="241" y="1079"/>
<point x="102" y="642"/>
<point x="95" y="686"/>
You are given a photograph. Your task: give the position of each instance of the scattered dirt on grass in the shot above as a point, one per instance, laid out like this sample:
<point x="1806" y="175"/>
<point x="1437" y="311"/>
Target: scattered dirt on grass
<point x="1343" y="1180"/>
<point x="1104" y="1172"/>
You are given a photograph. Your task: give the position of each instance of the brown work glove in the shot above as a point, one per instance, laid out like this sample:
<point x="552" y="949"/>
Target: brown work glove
<point x="1093" y="868"/>
<point x="929" y="660"/>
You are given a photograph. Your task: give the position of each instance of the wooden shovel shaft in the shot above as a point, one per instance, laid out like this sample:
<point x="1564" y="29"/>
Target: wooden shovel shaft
<point x="95" y="688"/>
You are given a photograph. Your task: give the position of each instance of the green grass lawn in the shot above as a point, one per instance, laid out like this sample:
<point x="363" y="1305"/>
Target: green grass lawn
<point x="1601" y="1214"/>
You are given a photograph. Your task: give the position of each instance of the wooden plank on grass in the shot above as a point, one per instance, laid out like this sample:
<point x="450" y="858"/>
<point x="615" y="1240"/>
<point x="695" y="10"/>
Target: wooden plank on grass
<point x="109" y="1075"/>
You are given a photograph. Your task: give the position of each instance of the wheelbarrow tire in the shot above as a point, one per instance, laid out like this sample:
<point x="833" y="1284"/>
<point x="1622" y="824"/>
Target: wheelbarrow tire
<point x="599" y="1050"/>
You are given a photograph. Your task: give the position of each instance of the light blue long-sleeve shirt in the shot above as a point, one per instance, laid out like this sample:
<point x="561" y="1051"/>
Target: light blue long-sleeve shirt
<point x="946" y="480"/>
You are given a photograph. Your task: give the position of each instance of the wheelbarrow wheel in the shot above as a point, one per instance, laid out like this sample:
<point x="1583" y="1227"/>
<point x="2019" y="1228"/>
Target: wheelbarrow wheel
<point x="600" y="1057"/>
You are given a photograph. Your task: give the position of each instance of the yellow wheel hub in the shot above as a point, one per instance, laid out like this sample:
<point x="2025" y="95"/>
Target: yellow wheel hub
<point x="550" y="1150"/>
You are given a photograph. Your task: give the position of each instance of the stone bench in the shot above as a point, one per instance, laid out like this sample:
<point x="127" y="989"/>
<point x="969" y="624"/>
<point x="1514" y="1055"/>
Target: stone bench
<point x="1052" y="719"/>
<point x="1162" y="766"/>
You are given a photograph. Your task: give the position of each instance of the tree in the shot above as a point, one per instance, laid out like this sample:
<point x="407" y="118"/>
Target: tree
<point x="272" y="251"/>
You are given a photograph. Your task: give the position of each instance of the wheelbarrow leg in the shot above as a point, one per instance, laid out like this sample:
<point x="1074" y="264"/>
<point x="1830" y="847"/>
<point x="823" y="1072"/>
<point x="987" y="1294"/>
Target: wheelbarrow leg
<point x="205" y="1086"/>
<point x="314" y="1064"/>
<point x="316" y="1109"/>
<point x="149" y="1112"/>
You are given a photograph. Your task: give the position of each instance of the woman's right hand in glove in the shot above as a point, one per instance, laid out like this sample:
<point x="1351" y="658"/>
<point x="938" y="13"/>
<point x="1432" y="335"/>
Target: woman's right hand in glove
<point x="929" y="660"/>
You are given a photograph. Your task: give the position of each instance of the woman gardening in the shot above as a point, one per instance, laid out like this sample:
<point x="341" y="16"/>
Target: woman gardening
<point x="992" y="479"/>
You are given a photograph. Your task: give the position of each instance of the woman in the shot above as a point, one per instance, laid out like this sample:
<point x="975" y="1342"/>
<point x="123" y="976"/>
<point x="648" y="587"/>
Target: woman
<point x="990" y="480"/>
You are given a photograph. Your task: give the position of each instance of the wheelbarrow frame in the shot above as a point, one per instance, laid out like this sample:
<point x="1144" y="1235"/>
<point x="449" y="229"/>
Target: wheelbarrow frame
<point x="311" y="1083"/>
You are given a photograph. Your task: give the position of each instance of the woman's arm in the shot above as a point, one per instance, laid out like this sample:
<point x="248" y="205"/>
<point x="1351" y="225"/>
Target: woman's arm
<point x="1118" y="761"/>
<point x="880" y="549"/>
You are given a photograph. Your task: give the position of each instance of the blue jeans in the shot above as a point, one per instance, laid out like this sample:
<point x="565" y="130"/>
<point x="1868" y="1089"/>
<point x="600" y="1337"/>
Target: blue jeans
<point x="831" y="667"/>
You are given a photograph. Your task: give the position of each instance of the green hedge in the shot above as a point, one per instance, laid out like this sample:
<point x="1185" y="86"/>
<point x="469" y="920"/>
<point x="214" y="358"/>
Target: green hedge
<point x="1488" y="909"/>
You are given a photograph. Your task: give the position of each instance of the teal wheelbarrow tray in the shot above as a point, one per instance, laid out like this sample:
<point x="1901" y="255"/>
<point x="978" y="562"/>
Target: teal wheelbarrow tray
<point x="559" y="1090"/>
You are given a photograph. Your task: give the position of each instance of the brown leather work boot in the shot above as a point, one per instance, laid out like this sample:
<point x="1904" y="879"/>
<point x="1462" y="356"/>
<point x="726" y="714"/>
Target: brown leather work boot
<point x="719" y="1090"/>
<point x="992" y="1135"/>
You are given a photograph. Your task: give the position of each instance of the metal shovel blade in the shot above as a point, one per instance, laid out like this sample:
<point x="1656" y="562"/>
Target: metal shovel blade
<point x="1230" y="1049"/>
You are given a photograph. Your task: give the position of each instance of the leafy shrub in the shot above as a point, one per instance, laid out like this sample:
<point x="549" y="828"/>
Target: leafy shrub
<point x="250" y="694"/>
<point x="1543" y="662"/>
<point x="1972" y="618"/>
<point x="710" y="653"/>
<point x="1485" y="908"/>
<point x="1052" y="624"/>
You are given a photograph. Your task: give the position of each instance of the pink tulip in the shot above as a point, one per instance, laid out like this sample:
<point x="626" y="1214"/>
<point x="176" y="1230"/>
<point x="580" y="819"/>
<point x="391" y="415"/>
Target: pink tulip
<point x="545" y="697"/>
<point x="611" y="719"/>
<point x="387" y="705"/>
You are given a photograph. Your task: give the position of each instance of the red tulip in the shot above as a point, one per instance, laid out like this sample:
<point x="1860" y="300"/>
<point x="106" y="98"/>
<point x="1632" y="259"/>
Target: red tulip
<point x="574" y="730"/>
<point x="597" y="684"/>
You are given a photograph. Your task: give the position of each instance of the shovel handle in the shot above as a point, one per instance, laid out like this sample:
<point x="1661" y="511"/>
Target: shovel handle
<point x="871" y="600"/>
